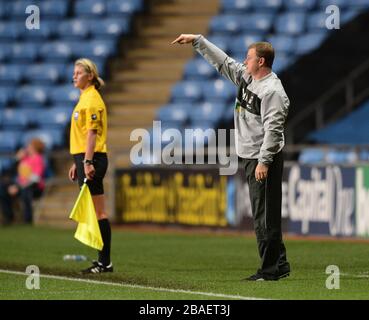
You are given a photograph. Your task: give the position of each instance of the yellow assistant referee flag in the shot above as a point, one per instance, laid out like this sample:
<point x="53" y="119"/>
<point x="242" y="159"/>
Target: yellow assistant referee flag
<point x="83" y="212"/>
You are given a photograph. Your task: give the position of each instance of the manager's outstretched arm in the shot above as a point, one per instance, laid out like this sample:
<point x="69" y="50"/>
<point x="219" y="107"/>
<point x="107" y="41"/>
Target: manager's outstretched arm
<point x="224" y="64"/>
<point x="185" y="38"/>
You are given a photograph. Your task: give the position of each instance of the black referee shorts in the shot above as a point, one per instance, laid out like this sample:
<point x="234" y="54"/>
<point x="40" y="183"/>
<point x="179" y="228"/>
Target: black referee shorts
<point x="100" y="161"/>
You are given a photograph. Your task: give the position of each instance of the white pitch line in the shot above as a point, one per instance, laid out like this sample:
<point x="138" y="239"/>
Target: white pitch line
<point x="134" y="286"/>
<point x="354" y="275"/>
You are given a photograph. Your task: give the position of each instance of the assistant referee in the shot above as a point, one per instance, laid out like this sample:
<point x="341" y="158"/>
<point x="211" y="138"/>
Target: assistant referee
<point x="88" y="146"/>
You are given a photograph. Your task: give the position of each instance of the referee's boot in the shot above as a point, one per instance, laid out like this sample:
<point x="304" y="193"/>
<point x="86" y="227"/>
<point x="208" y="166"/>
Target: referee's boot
<point x="98" y="267"/>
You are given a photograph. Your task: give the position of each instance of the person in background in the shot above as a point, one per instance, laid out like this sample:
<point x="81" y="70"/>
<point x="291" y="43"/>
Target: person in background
<point x="29" y="183"/>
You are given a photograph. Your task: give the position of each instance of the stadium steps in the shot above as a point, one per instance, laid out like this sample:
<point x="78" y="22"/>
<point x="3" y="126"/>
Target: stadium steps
<point x="141" y="78"/>
<point x="54" y="209"/>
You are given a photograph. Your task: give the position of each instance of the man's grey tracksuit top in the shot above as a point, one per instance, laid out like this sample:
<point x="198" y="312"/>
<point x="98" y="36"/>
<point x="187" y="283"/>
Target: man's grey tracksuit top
<point x="261" y="106"/>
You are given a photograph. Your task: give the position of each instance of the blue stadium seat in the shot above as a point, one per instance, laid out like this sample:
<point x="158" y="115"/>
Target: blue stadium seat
<point x="9" y="141"/>
<point x="339" y="133"/>
<point x="201" y="133"/>
<point x="312" y="156"/>
<point x="341" y="157"/>
<point x="166" y="136"/>
<point x="352" y="129"/>
<point x="316" y="21"/>
<point x="56" y="51"/>
<point x="300" y="5"/>
<point x="48" y="28"/>
<point x="52" y="138"/>
<point x="236" y="6"/>
<point x="169" y="130"/>
<point x="174" y="112"/>
<point x="220" y="90"/>
<point x="6" y="95"/>
<point x="64" y="94"/>
<point x="187" y="91"/>
<point x="17" y="8"/>
<point x="5" y="51"/>
<point x="34" y="115"/>
<point x="109" y="27"/>
<point x="95" y="49"/>
<point x="228" y="113"/>
<point x="45" y="73"/>
<point x="330" y="134"/>
<point x="3" y="11"/>
<point x="349" y="15"/>
<point x="54" y="118"/>
<point x="282" y="43"/>
<point x="290" y="23"/>
<point x="210" y="112"/>
<point x="54" y="8"/>
<point x="90" y="8"/>
<point x="358" y="4"/>
<point x="11" y="73"/>
<point x="222" y="42"/>
<point x="364" y="155"/>
<point x="309" y="42"/>
<point x="197" y="69"/>
<point x="267" y="5"/>
<point x="11" y="30"/>
<point x="256" y="22"/>
<point x="6" y="163"/>
<point x="73" y="29"/>
<point x="32" y="96"/>
<point x="31" y="113"/>
<point x="282" y="61"/>
<point x="240" y="44"/>
<point x="225" y="24"/>
<point x="124" y="7"/>
<point x="69" y="72"/>
<point x="14" y="119"/>
<point x="171" y="125"/>
<point x="342" y="4"/>
<point x="24" y="52"/>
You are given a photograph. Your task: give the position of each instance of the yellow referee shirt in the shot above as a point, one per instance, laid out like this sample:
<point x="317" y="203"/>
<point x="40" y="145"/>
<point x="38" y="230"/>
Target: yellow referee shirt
<point x="89" y="114"/>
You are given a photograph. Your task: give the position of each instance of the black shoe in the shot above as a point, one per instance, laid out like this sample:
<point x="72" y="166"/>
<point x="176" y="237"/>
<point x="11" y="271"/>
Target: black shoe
<point x="284" y="271"/>
<point x="260" y="277"/>
<point x="98" y="267"/>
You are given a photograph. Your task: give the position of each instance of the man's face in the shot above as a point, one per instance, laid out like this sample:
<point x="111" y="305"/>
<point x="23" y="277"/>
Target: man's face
<point x="252" y="62"/>
<point x="81" y="78"/>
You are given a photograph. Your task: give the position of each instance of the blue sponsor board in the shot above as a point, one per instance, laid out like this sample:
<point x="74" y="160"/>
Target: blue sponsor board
<point x="320" y="200"/>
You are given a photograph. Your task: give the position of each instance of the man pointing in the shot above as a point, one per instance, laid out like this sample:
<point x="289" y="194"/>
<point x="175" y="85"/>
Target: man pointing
<point x="260" y="112"/>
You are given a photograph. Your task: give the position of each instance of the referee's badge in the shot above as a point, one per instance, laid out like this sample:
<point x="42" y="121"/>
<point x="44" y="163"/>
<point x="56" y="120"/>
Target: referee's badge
<point x="76" y="116"/>
<point x="93" y="116"/>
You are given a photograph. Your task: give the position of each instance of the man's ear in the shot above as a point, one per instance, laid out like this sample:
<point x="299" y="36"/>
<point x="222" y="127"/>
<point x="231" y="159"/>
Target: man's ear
<point x="261" y="61"/>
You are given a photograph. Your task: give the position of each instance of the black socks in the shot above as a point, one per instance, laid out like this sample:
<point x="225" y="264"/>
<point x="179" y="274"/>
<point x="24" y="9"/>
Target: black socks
<point x="104" y="254"/>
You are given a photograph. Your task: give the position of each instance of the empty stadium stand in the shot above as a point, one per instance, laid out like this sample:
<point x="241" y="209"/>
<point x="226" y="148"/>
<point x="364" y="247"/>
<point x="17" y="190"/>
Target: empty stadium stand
<point x="296" y="28"/>
<point x="148" y="79"/>
<point x="130" y="42"/>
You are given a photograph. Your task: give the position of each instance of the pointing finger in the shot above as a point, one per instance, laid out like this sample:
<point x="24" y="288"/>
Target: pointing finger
<point x="177" y="40"/>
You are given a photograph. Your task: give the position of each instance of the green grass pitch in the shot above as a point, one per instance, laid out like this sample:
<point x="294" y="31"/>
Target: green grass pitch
<point x="188" y="266"/>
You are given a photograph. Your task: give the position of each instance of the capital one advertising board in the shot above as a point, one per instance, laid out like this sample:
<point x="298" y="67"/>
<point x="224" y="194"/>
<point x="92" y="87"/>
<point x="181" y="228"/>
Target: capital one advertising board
<point x="320" y="200"/>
